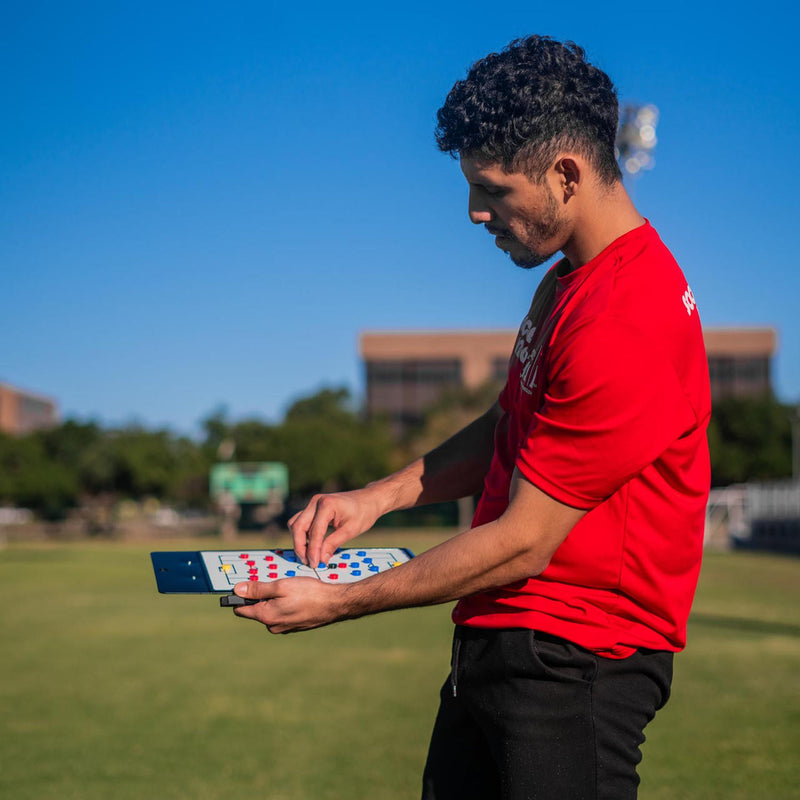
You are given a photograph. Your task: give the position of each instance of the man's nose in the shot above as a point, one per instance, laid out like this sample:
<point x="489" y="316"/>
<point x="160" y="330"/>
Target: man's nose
<point x="479" y="213"/>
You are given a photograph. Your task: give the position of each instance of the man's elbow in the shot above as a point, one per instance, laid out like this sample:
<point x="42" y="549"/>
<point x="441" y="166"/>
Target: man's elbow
<point x="533" y="547"/>
<point x="537" y="524"/>
<point x="534" y="563"/>
<point x="528" y="555"/>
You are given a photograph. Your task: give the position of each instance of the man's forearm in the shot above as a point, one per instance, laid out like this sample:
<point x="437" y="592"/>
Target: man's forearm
<point x="454" y="469"/>
<point x="518" y="545"/>
<point x="514" y="547"/>
<point x="471" y="562"/>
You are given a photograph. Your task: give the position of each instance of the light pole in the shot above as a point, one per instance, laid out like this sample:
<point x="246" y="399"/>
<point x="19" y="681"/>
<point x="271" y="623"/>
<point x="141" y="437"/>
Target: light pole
<point x="636" y="138"/>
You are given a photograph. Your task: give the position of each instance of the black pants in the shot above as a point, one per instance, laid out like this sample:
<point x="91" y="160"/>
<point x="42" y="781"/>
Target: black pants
<point x="527" y="716"/>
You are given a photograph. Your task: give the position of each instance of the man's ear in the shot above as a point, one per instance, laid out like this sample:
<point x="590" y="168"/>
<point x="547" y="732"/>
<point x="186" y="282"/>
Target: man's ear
<point x="570" y="171"/>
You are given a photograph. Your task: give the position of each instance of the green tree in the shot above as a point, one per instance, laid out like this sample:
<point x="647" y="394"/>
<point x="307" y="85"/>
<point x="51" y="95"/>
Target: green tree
<point x="749" y="439"/>
<point x="323" y="440"/>
<point x="136" y="463"/>
<point x="329" y="446"/>
<point x="188" y="482"/>
<point x="30" y="477"/>
<point x="331" y="405"/>
<point x="66" y="442"/>
<point x="217" y="429"/>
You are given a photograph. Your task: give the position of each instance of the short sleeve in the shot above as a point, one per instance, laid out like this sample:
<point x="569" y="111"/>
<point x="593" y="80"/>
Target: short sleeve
<point x="613" y="403"/>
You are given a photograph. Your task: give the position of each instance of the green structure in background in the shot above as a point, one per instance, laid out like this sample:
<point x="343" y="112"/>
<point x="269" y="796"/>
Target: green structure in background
<point x="250" y="483"/>
<point x="249" y="495"/>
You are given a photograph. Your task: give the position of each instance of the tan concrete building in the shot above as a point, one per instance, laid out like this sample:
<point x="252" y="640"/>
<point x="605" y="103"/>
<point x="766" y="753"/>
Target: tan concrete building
<point x="407" y="371"/>
<point x="22" y="411"/>
<point x="740" y="361"/>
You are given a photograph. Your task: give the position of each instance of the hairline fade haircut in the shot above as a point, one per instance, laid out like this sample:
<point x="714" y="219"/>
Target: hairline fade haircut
<point x="523" y="106"/>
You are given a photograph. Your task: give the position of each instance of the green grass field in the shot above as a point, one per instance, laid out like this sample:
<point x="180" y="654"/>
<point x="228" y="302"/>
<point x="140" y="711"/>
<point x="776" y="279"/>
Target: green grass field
<point x="110" y="690"/>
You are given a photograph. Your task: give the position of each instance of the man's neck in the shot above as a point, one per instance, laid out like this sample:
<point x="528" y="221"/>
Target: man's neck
<point x="605" y="216"/>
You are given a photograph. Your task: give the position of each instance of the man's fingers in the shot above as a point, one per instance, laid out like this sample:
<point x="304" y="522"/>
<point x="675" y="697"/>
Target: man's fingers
<point x="261" y="612"/>
<point x="304" y="524"/>
<point x="337" y="538"/>
<point x="299" y="543"/>
<point x="256" y="590"/>
<point x="324" y="518"/>
<point x="338" y="513"/>
<point x="302" y="519"/>
<point x="294" y="604"/>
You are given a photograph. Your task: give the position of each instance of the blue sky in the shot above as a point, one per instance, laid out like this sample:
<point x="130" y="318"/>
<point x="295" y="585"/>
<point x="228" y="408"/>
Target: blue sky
<point x="203" y="204"/>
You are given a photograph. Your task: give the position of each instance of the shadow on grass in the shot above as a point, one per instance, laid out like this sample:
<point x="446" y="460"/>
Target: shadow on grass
<point x="746" y="625"/>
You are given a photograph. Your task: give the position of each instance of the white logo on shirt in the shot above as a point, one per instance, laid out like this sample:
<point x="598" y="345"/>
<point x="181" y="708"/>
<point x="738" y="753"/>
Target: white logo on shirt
<point x="688" y="300"/>
<point x="530" y="344"/>
<point x="526" y="334"/>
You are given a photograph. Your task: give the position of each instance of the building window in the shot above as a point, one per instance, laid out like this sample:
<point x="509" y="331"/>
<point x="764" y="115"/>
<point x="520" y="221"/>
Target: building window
<point x="500" y="370"/>
<point x="404" y="389"/>
<point x="444" y="372"/>
<point x="738" y="376"/>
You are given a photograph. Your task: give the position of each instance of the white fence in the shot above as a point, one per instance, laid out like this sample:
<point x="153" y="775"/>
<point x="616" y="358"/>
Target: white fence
<point x="745" y="512"/>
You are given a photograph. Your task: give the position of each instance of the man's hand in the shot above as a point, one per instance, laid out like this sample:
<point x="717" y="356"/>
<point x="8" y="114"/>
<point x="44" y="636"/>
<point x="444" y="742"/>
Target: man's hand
<point x="455" y="469"/>
<point x="349" y="514"/>
<point x="292" y="604"/>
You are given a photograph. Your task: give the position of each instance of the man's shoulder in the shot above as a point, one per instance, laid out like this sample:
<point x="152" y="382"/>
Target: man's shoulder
<point x="640" y="310"/>
<point x="641" y="283"/>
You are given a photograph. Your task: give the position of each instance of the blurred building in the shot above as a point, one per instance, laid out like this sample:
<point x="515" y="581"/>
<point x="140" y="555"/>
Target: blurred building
<point x="22" y="411"/>
<point x="740" y="361"/>
<point x="407" y="371"/>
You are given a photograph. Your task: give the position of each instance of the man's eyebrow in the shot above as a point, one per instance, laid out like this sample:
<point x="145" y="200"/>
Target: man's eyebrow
<point x="485" y="185"/>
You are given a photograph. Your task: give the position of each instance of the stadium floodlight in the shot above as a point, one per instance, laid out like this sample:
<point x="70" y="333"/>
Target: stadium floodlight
<point x="636" y="138"/>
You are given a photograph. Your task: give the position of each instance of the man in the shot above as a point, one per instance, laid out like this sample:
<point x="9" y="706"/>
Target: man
<point x="575" y="581"/>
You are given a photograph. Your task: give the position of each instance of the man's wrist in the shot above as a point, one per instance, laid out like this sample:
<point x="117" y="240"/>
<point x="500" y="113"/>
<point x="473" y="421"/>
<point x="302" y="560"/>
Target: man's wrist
<point x="395" y="492"/>
<point x="352" y="602"/>
<point x="381" y="496"/>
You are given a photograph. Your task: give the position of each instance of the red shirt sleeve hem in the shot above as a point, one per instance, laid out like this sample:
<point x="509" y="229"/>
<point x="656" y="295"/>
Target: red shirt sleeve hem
<point x="558" y="493"/>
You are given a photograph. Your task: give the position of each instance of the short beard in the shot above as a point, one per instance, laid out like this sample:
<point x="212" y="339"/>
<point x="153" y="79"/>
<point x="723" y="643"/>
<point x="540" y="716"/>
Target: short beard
<point x="549" y="226"/>
<point x="532" y="260"/>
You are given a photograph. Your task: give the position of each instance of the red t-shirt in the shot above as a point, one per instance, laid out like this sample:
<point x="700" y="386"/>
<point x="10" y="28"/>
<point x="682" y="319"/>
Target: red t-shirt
<point x="606" y="408"/>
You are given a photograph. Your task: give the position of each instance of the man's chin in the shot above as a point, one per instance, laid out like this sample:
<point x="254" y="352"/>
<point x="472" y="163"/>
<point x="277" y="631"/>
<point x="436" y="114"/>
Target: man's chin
<point x="530" y="260"/>
<point x="519" y="254"/>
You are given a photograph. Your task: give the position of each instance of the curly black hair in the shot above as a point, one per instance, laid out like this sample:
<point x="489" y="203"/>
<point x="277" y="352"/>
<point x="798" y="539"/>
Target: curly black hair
<point x="522" y="106"/>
